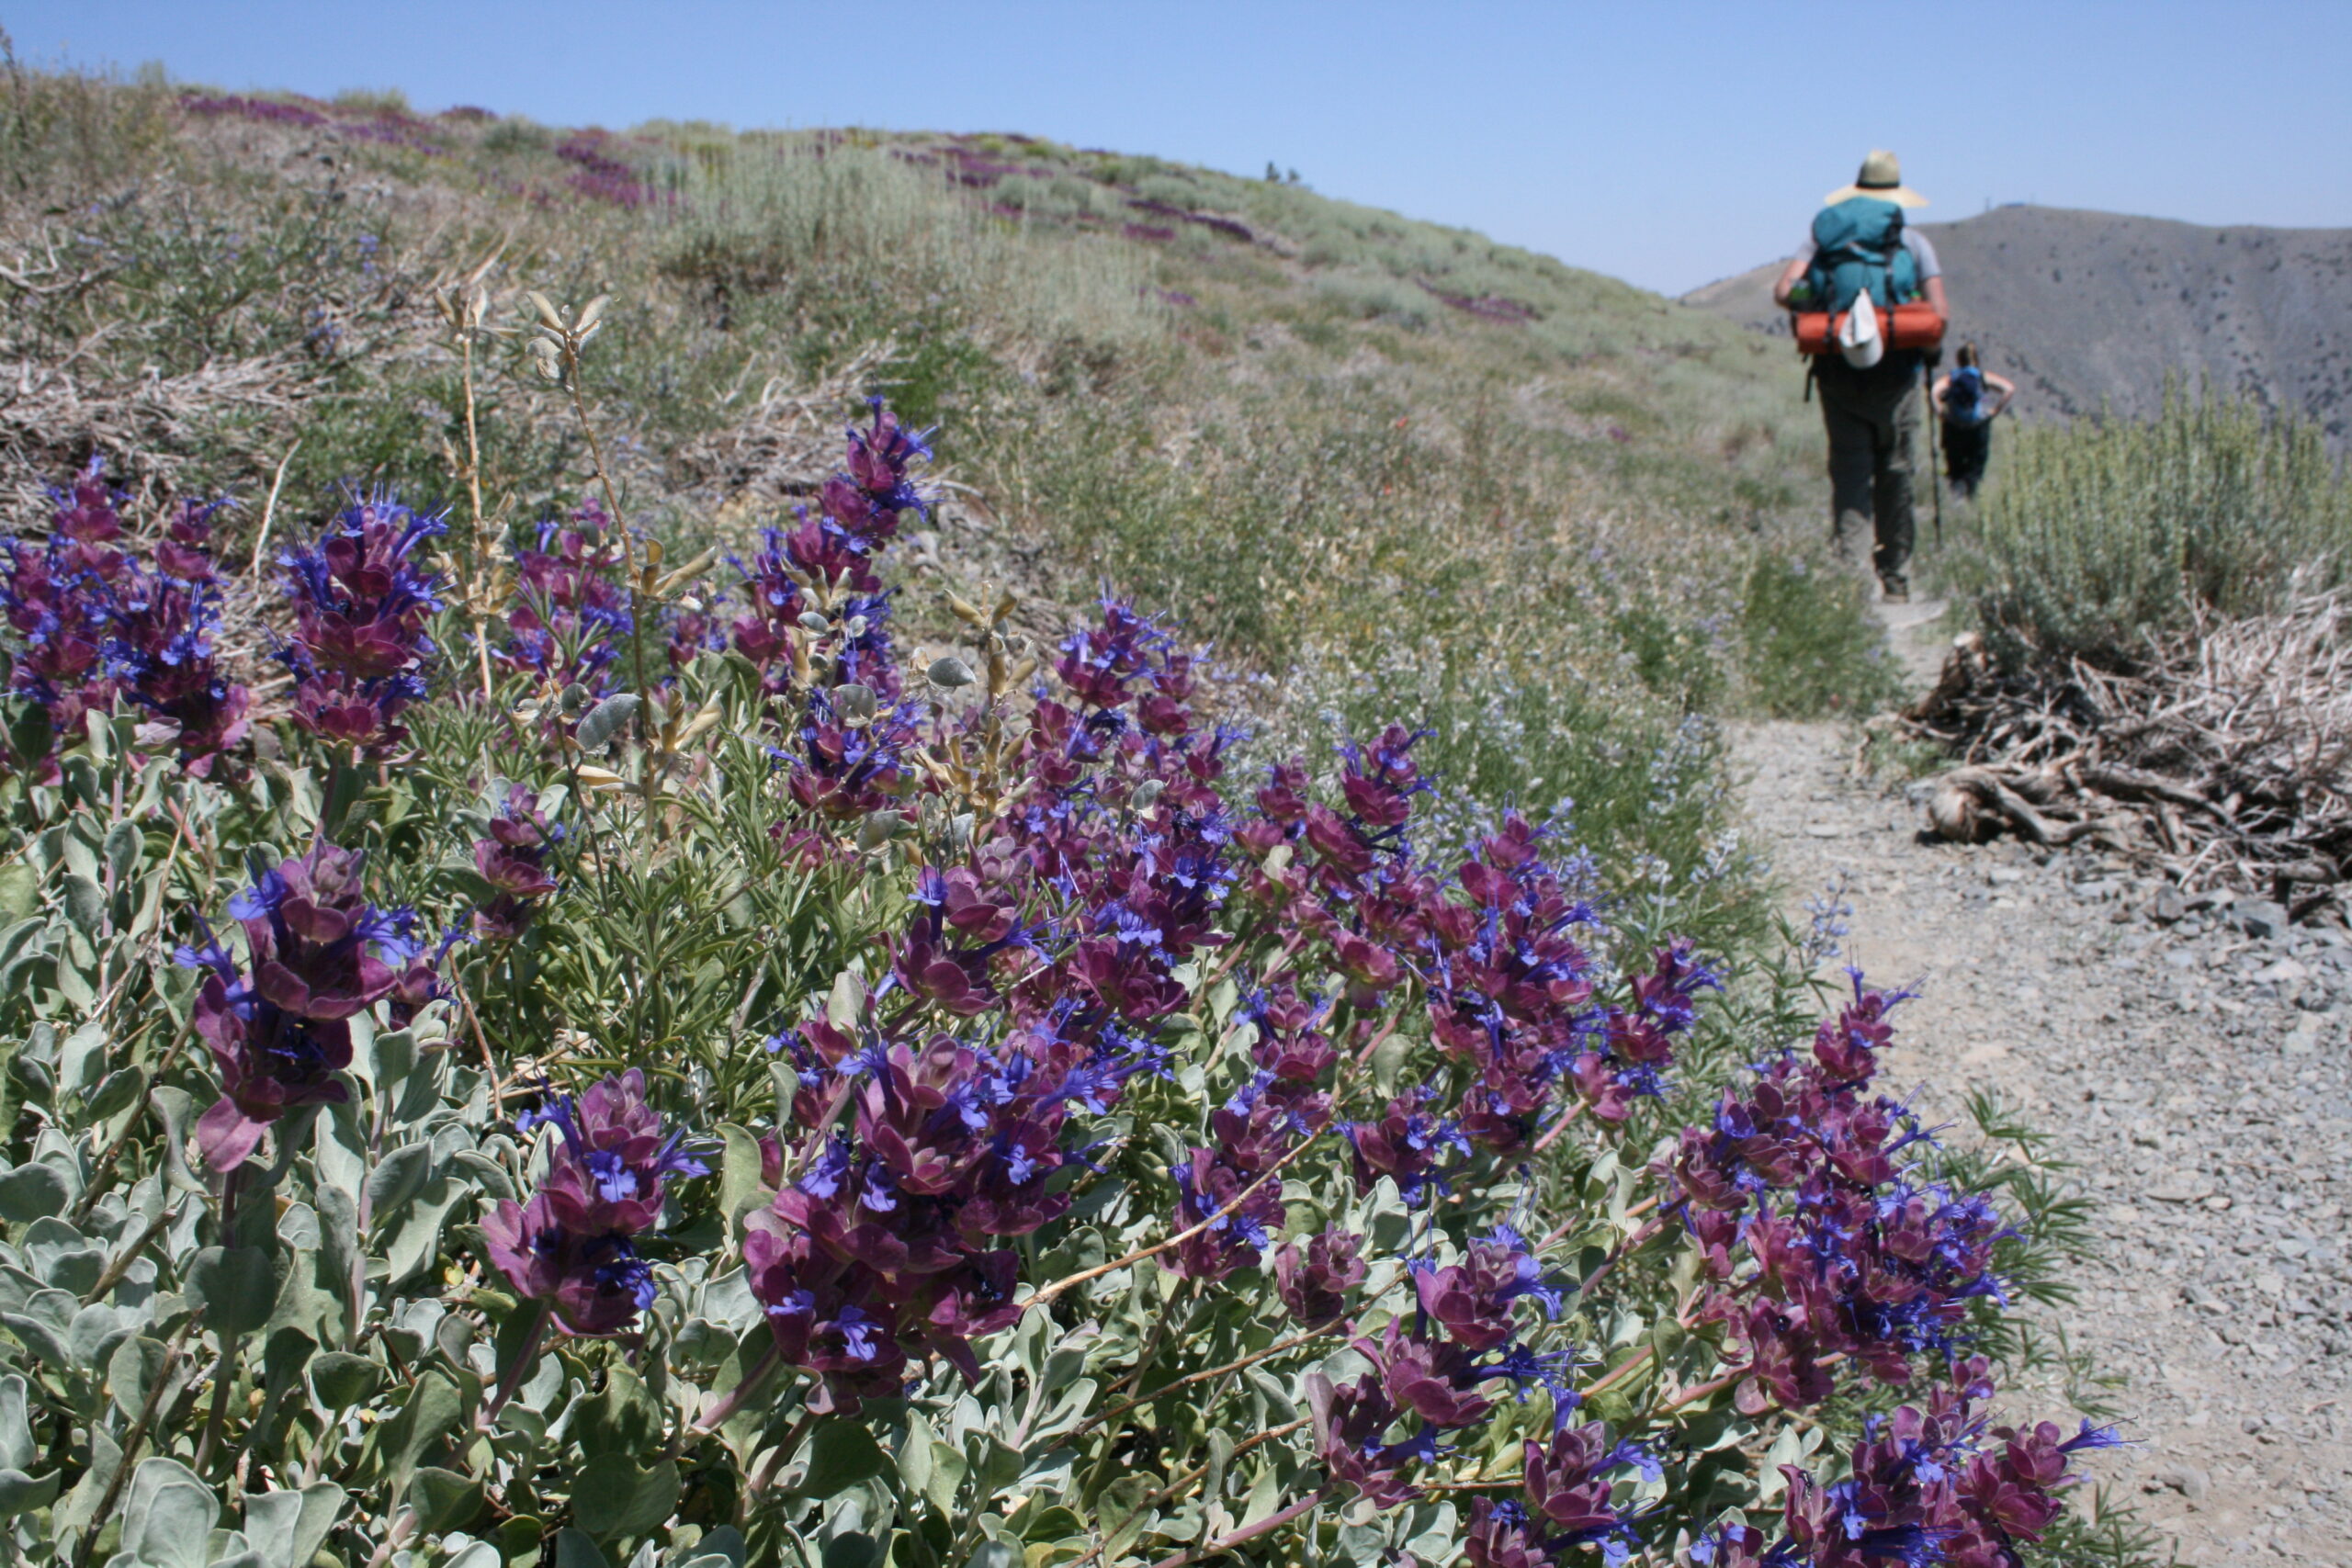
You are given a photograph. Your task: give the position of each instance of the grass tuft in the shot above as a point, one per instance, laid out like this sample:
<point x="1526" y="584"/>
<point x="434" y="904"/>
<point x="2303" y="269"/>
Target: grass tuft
<point x="1812" y="646"/>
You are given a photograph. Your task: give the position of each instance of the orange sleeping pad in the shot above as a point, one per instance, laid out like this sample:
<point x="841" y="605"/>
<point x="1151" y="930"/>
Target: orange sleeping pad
<point x="1915" y="325"/>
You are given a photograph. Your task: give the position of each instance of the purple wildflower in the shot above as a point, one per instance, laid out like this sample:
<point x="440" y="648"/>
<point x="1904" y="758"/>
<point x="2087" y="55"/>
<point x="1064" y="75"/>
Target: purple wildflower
<point x="513" y="860"/>
<point x="608" y="1169"/>
<point x="1313" y="1283"/>
<point x="360" y="653"/>
<point x="317" y="953"/>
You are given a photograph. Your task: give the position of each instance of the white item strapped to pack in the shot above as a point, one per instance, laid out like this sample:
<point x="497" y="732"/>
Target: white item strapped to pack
<point x="1858" y="339"/>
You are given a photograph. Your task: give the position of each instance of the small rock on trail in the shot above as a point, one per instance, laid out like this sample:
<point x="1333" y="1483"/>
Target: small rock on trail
<point x="2196" y="1066"/>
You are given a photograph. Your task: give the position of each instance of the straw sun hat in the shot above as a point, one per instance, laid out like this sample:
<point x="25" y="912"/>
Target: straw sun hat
<point x="1882" y="177"/>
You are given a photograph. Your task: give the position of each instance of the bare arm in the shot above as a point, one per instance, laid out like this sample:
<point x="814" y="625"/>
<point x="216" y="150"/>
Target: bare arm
<point x="1788" y="277"/>
<point x="1936" y="392"/>
<point x="2003" y="390"/>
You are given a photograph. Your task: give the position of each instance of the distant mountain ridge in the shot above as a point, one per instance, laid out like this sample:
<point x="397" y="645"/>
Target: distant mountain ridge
<point x="2092" y="310"/>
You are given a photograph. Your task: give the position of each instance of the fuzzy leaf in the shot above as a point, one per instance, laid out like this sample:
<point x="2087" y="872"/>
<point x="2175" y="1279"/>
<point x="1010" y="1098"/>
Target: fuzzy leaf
<point x="625" y="1418"/>
<point x="17" y="1449"/>
<point x="288" y="1528"/>
<point x="86" y="903"/>
<point x="167" y="1515"/>
<point x="21" y="1493"/>
<point x="845" y="1004"/>
<point x="432" y="1409"/>
<point x="123" y="846"/>
<point x="614" y="1496"/>
<point x="416" y="1240"/>
<point x="722" y="1548"/>
<point x="840" y="1454"/>
<point x="20" y="892"/>
<point x="340" y="1380"/>
<point x="117" y="1092"/>
<point x="444" y="1500"/>
<point x="236" y="1285"/>
<point x="43" y="1327"/>
<point x="739" y="1188"/>
<point x="850" y="1548"/>
<point x="948" y="1471"/>
<point x="172" y="1107"/>
<point x="914" y="1455"/>
<point x="396" y="1179"/>
<point x="33" y="1191"/>
<point x="576" y="1549"/>
<point x="131" y="1371"/>
<point x="606" y="720"/>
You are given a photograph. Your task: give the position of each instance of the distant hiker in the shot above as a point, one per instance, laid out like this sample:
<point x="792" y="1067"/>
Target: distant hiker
<point x="1968" y="401"/>
<point x="1869" y="295"/>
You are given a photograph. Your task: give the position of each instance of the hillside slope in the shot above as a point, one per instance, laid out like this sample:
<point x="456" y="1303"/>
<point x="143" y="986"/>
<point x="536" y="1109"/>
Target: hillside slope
<point x="1300" y="424"/>
<point x="2086" y="309"/>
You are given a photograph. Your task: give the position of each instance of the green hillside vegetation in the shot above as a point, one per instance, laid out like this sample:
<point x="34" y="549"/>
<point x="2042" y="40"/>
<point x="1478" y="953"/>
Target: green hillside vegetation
<point x="1357" y="453"/>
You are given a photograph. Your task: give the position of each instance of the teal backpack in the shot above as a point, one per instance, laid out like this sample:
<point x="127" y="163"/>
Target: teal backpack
<point x="1858" y="246"/>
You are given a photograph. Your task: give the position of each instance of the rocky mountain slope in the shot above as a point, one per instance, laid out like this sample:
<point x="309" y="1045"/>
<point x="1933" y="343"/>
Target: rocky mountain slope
<point x="2085" y="310"/>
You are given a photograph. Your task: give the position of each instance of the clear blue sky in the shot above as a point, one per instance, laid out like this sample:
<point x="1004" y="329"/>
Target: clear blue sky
<point x="1666" y="143"/>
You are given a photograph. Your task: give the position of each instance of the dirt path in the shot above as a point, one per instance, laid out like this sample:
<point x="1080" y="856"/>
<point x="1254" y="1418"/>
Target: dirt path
<point x="2195" y="1070"/>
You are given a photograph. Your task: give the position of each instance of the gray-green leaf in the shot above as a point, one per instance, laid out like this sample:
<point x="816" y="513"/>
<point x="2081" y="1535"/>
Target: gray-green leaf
<point x="842" y="1453"/>
<point x="86" y="902"/>
<point x="131" y="1371"/>
<point x="33" y="1191"/>
<point x="237" y="1286"/>
<point x="288" y="1528"/>
<point x="168" y="1515"/>
<point x="443" y="1499"/>
<point x="574" y="1548"/>
<point x="21" y="1493"/>
<point x="604" y="720"/>
<point x="19" y="891"/>
<point x="340" y="1380"/>
<point x="16" y="1447"/>
<point x="122" y="849"/>
<point x="611" y="1497"/>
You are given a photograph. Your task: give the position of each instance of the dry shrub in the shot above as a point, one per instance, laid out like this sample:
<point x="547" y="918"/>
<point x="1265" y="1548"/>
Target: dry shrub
<point x="2226" y="760"/>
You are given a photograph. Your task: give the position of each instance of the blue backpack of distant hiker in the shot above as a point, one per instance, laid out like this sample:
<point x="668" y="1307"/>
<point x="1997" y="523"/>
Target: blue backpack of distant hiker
<point x="1964" y="396"/>
<point x="1858" y="248"/>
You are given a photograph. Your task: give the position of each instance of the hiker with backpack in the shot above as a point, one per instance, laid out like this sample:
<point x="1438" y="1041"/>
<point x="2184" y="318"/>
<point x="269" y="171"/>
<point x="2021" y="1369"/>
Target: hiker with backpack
<point x="1967" y="401"/>
<point x="1867" y="295"/>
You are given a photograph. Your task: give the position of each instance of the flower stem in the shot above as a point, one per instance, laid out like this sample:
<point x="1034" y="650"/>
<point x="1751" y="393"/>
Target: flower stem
<point x="1245" y="1362"/>
<point x="719" y="1415"/>
<point x="131" y="1441"/>
<point x="1266" y="1525"/>
<point x="628" y="568"/>
<point x="514" y="1378"/>
<point x="477" y="564"/>
<point x="1177" y="1486"/>
<point x="1084" y="1275"/>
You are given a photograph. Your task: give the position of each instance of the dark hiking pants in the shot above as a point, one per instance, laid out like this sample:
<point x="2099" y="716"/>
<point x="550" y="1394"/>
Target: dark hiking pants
<point x="1870" y="416"/>
<point x="1966" y="449"/>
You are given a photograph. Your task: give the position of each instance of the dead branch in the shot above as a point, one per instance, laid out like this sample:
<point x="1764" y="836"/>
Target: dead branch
<point x="2226" y="757"/>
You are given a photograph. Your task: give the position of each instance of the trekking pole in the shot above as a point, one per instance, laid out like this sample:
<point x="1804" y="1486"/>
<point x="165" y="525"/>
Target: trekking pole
<point x="1935" y="478"/>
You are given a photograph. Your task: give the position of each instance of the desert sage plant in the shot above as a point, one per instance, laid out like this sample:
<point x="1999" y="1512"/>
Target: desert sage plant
<point x="649" y="1072"/>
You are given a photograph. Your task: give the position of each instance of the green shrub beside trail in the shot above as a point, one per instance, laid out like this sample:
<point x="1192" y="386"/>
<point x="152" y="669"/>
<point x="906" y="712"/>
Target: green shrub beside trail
<point x="2095" y="537"/>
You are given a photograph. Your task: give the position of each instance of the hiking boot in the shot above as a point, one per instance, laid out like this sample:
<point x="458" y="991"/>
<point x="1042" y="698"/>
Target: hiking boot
<point x="1893" y="591"/>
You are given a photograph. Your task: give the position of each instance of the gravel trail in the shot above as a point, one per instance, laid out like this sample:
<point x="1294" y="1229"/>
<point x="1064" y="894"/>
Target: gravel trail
<point x="2194" y="1064"/>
